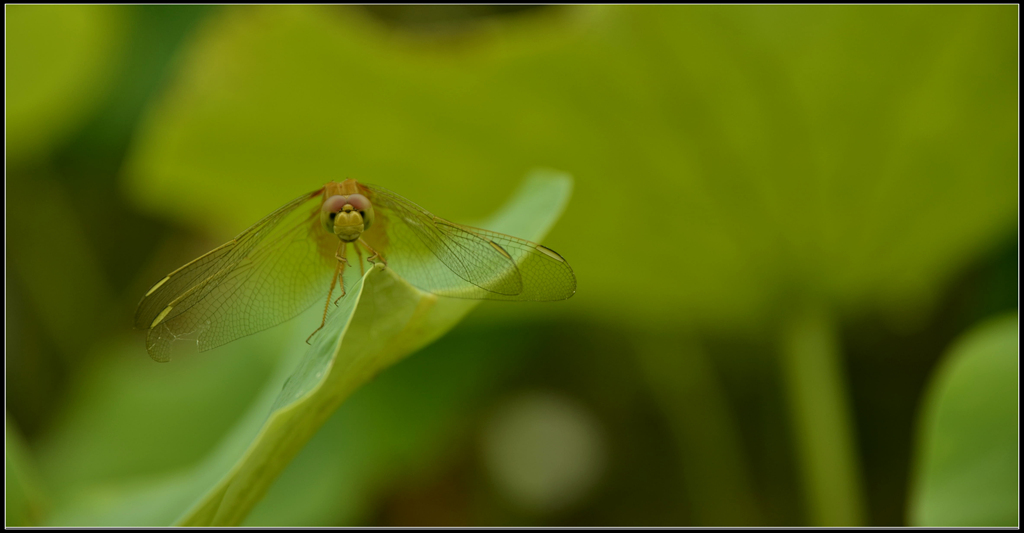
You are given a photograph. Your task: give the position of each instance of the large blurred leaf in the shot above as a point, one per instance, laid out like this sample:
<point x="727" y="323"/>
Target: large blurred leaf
<point x="967" y="457"/>
<point x="24" y="501"/>
<point x="126" y="447"/>
<point x="59" y="61"/>
<point x="863" y="153"/>
<point x="399" y="426"/>
<point x="380" y="321"/>
<point x="56" y="297"/>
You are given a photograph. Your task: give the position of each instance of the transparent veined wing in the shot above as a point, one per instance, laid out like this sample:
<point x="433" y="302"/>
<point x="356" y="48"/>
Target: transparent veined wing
<point x="450" y="259"/>
<point x="266" y="275"/>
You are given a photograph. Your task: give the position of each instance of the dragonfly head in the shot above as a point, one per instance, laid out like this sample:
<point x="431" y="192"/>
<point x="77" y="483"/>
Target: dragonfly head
<point x="347" y="216"/>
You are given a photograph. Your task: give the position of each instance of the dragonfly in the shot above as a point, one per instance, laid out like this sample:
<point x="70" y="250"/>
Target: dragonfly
<point x="293" y="257"/>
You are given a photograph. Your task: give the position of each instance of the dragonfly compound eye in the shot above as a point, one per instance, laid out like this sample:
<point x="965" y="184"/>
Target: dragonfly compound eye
<point x="329" y="211"/>
<point x="367" y="217"/>
<point x="362" y="204"/>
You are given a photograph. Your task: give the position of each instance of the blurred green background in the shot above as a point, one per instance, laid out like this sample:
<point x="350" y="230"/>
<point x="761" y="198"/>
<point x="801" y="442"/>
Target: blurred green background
<point x="783" y="220"/>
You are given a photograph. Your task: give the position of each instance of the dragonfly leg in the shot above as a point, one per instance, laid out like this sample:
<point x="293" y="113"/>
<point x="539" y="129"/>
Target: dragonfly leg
<point x="342" y="263"/>
<point x="376" y="255"/>
<point x="341" y="254"/>
<point x="359" y="252"/>
<point x="327" y="304"/>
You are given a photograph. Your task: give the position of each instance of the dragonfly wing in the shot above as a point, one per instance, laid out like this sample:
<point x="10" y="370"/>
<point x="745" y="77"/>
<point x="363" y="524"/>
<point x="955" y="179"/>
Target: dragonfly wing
<point x="267" y="274"/>
<point x="544" y="275"/>
<point x="451" y="259"/>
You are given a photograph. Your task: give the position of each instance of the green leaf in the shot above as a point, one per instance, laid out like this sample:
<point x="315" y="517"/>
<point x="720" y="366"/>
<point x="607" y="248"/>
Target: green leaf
<point x="856" y="153"/>
<point x="23" y="497"/>
<point x="399" y="427"/>
<point x="966" y="463"/>
<point x="382" y="320"/>
<point x="59" y="63"/>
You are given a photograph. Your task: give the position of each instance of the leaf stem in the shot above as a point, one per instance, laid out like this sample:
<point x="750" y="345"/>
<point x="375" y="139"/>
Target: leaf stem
<point x="821" y="419"/>
<point x="719" y="488"/>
